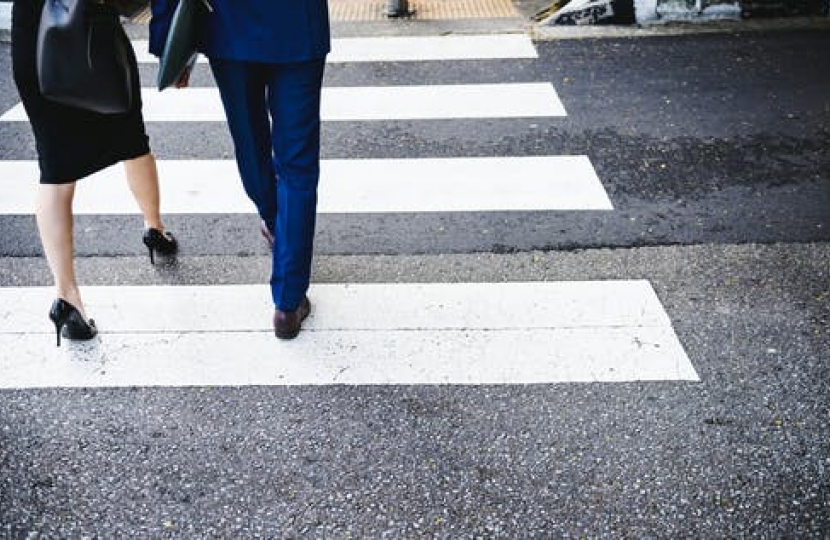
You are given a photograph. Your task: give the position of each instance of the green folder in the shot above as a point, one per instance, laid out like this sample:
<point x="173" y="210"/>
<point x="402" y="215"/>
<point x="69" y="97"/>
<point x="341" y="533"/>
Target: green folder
<point x="182" y="40"/>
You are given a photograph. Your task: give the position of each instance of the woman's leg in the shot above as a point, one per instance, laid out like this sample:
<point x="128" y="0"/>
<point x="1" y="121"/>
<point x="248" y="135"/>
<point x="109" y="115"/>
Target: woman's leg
<point x="55" y="223"/>
<point x="143" y="179"/>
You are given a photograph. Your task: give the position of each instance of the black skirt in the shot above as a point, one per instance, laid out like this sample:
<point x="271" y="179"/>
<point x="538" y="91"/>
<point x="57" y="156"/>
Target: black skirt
<point x="71" y="143"/>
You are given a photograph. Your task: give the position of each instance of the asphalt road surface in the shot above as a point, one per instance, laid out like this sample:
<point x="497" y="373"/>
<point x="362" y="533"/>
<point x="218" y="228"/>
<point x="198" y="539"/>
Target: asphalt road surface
<point x="702" y="190"/>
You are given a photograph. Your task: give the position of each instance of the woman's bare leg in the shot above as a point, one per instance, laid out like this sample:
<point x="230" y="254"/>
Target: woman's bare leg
<point x="143" y="179"/>
<point x="55" y="224"/>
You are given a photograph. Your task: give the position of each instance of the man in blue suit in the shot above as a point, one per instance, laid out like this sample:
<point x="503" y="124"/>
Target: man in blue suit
<point x="268" y="58"/>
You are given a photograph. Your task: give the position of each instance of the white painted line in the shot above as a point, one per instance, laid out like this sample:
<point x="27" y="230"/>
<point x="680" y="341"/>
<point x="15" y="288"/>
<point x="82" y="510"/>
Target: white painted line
<point x="346" y="186"/>
<point x="361" y="103"/>
<point x="366" y="306"/>
<point x="411" y="49"/>
<point x="403" y="49"/>
<point x="360" y="334"/>
<point x="142" y="53"/>
<point x="5" y="15"/>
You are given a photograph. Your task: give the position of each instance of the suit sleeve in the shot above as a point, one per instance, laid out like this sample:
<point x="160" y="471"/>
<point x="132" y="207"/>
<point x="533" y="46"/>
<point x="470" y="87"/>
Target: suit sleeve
<point x="160" y="24"/>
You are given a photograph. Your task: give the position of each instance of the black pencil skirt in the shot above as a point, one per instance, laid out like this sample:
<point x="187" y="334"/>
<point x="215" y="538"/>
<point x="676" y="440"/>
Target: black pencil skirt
<point x="71" y="143"/>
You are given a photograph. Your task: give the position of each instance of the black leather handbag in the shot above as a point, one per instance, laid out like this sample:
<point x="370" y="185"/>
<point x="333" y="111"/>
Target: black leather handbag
<point x="83" y="56"/>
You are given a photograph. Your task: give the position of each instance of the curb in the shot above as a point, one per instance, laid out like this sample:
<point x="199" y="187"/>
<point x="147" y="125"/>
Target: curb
<point x="675" y="28"/>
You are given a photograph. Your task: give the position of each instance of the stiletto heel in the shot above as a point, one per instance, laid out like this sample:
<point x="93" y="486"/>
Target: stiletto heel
<point x="57" y="329"/>
<point x="160" y="242"/>
<point x="69" y="322"/>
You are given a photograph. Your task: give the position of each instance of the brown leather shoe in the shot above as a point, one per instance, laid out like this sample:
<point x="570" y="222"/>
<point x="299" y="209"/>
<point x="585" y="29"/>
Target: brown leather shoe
<point x="287" y="323"/>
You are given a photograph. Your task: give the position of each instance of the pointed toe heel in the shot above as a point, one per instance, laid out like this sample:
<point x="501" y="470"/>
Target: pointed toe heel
<point x="69" y="322"/>
<point x="161" y="242"/>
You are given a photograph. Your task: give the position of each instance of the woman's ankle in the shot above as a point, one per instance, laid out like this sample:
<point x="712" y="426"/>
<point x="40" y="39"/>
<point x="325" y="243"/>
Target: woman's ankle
<point x="73" y="296"/>
<point x="155" y="224"/>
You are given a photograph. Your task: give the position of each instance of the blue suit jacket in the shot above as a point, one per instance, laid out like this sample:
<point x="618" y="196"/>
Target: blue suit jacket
<point x="270" y="31"/>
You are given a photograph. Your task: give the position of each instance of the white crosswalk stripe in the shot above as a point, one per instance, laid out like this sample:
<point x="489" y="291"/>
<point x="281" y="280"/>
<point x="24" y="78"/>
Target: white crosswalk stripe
<point x="360" y="334"/>
<point x="411" y="48"/>
<point x="361" y="103"/>
<point x="348" y="186"/>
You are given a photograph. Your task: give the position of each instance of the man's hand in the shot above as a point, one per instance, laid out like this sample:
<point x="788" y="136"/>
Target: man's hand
<point x="184" y="80"/>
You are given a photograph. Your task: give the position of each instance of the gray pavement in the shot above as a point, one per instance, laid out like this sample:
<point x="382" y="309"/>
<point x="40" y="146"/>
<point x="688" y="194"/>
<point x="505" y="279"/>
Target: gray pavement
<point x="743" y="453"/>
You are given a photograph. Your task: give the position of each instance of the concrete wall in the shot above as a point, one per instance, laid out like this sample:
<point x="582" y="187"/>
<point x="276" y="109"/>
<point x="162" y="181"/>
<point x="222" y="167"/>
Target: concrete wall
<point x="680" y="10"/>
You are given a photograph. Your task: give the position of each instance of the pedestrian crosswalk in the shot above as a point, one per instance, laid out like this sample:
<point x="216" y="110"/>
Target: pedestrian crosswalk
<point x="392" y="333"/>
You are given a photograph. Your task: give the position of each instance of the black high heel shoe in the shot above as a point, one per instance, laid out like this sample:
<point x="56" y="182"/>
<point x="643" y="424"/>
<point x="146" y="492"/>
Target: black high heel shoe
<point x="160" y="242"/>
<point x="70" y="323"/>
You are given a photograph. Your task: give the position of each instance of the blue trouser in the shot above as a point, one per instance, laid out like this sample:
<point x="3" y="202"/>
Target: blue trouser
<point x="273" y="112"/>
